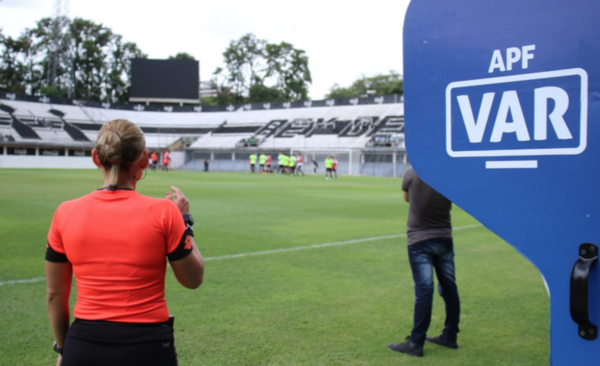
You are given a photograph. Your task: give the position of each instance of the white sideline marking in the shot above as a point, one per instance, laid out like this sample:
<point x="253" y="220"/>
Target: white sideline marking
<point x="12" y="282"/>
<point x="315" y="246"/>
<point x="263" y="252"/>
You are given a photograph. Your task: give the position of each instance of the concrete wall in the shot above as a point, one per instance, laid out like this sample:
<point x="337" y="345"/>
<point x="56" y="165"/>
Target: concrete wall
<point x="177" y="159"/>
<point x="375" y="169"/>
<point x="67" y="162"/>
<point x="218" y="165"/>
<point x="50" y="162"/>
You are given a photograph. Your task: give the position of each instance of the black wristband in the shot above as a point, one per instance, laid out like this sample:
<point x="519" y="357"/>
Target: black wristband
<point x="189" y="230"/>
<point x="57" y="350"/>
<point x="188" y="219"/>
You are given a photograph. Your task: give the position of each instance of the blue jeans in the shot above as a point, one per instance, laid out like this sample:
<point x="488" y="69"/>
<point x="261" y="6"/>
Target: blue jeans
<point x="424" y="257"/>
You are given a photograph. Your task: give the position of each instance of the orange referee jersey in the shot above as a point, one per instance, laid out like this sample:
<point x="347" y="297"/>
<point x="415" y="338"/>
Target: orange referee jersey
<point x="117" y="242"/>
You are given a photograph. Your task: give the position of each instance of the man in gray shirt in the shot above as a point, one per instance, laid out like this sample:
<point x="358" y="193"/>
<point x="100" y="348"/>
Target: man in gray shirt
<point x="429" y="232"/>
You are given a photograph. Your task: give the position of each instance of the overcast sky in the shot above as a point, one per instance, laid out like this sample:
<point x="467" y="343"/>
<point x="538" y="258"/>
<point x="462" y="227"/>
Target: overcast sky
<point x="343" y="39"/>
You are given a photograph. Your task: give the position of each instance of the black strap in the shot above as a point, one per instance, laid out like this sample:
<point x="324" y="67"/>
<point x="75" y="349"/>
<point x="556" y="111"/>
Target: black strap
<point x="183" y="249"/>
<point x="54" y="256"/>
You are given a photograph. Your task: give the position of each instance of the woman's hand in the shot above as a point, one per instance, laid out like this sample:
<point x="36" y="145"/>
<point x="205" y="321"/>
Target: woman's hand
<point x="58" y="360"/>
<point x="179" y="198"/>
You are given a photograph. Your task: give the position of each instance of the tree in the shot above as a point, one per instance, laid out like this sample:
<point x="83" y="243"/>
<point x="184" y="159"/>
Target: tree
<point x="244" y="60"/>
<point x="90" y="47"/>
<point x="290" y="66"/>
<point x="337" y="91"/>
<point x="225" y="94"/>
<point x="50" y="91"/>
<point x="43" y="49"/>
<point x="259" y="93"/>
<point x="379" y="85"/>
<point x="19" y="68"/>
<point x="12" y="72"/>
<point x="258" y="71"/>
<point x="182" y="56"/>
<point x="118" y="79"/>
<point x="93" y="62"/>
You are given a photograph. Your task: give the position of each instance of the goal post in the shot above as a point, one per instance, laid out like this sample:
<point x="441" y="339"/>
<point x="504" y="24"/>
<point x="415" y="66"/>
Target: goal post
<point x="348" y="160"/>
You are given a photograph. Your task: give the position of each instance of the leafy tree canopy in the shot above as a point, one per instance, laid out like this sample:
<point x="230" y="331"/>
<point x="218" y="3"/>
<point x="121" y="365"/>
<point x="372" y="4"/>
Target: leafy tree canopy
<point x="387" y="84"/>
<point x="258" y="71"/>
<point x="92" y="62"/>
<point x="182" y="56"/>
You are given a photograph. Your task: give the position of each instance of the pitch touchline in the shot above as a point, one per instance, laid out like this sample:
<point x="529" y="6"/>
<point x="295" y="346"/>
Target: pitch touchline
<point x="263" y="252"/>
<point x="12" y="282"/>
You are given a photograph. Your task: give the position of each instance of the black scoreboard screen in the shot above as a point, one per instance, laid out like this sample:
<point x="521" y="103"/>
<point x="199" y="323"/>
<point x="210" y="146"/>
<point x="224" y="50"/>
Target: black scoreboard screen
<point x="169" y="81"/>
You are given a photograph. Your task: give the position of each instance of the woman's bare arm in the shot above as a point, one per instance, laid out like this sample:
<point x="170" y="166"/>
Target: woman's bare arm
<point x="59" y="277"/>
<point x="189" y="271"/>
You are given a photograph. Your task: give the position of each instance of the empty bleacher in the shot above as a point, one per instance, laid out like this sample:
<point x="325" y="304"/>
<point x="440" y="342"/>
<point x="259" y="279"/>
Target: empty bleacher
<point x="231" y="132"/>
<point x="319" y="127"/>
<point x="71" y="125"/>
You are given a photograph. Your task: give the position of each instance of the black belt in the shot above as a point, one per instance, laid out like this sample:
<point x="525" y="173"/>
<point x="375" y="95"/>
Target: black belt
<point x="168" y="323"/>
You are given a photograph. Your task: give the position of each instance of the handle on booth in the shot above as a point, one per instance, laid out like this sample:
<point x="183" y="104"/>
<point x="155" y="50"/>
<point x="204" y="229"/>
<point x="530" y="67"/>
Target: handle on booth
<point x="588" y="255"/>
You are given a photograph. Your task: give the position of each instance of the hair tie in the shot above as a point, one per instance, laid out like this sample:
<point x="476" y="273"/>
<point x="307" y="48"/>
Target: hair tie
<point x="116" y="133"/>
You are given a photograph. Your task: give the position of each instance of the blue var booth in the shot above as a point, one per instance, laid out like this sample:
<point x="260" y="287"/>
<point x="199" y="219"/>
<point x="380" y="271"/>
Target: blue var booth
<point x="502" y="110"/>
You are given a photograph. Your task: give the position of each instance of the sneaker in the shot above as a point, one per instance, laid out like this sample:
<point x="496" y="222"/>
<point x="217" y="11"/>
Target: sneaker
<point x="442" y="342"/>
<point x="407" y="347"/>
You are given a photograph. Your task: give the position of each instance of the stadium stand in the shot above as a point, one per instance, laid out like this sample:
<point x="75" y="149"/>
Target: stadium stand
<point x="321" y="127"/>
<point x="23" y="130"/>
<point x="366" y="138"/>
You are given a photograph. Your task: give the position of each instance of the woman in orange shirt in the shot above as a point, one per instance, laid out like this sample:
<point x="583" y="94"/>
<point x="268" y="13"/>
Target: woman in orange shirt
<point x="116" y="242"/>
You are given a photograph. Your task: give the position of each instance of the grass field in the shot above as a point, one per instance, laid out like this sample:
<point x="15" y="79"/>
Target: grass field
<point x="330" y="305"/>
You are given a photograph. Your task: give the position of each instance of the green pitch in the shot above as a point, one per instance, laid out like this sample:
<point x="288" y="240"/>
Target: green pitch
<point x="330" y="305"/>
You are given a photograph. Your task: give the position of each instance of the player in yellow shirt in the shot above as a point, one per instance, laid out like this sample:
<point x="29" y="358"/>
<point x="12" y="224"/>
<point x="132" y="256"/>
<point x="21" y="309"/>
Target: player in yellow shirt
<point x="263" y="159"/>
<point x="328" y="167"/>
<point x="291" y="164"/>
<point x="252" y="162"/>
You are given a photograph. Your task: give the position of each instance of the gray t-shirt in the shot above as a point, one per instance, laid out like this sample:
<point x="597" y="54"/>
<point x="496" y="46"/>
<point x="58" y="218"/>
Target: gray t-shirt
<point x="429" y="212"/>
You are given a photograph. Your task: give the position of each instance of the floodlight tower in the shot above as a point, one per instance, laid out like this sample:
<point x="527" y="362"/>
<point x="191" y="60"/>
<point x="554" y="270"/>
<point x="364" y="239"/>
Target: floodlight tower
<point x="59" y="21"/>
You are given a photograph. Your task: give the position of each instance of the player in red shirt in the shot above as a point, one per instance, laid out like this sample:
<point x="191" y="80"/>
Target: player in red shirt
<point x="166" y="160"/>
<point x="269" y="160"/>
<point x="299" y="161"/>
<point x="116" y="242"/>
<point x="154" y="159"/>
<point x="334" y="166"/>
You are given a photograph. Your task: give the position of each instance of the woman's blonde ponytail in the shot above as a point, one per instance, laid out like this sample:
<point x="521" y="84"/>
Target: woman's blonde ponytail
<point x="120" y="143"/>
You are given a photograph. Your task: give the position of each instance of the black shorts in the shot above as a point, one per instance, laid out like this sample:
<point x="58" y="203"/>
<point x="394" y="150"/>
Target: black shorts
<point x="328" y="170"/>
<point x="262" y="165"/>
<point x="94" y="343"/>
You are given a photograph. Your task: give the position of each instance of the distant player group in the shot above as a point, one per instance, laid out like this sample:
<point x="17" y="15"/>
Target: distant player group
<point x="153" y="161"/>
<point x="290" y="165"/>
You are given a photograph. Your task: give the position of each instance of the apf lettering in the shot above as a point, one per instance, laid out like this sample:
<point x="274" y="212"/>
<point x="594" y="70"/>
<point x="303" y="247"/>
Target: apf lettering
<point x="513" y="55"/>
